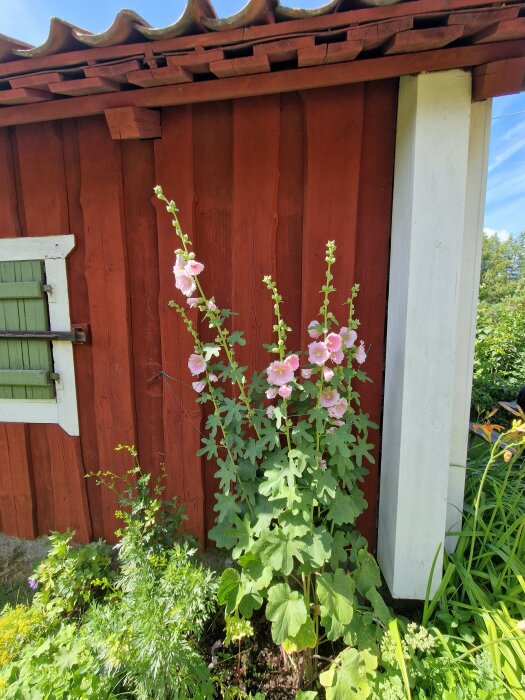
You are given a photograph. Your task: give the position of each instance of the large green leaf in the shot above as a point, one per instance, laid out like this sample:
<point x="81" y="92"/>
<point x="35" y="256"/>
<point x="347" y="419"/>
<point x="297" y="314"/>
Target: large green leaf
<point x="237" y="592"/>
<point x="367" y="574"/>
<point x="278" y="551"/>
<point x="304" y="639"/>
<point x="286" y="611"/>
<point x="348" y="678"/>
<point x="346" y="508"/>
<point x="336" y="595"/>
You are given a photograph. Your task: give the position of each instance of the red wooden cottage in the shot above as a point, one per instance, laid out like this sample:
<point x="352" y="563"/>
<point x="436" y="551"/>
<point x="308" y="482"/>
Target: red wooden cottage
<point x="274" y="130"/>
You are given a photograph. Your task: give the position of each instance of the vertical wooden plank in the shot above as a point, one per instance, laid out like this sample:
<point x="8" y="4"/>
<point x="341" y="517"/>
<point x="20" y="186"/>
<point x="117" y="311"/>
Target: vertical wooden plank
<point x="106" y="272"/>
<point x="181" y="414"/>
<point x="138" y="169"/>
<point x="334" y="127"/>
<point x="256" y="125"/>
<point x="372" y="260"/>
<point x="213" y="177"/>
<point x="17" y="516"/>
<point x="57" y="460"/>
<point x="290" y="210"/>
<point x="17" y="507"/>
<point x="79" y="304"/>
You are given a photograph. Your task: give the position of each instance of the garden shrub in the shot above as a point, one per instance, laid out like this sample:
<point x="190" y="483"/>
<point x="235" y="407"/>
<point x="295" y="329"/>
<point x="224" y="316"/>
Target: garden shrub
<point x="59" y="666"/>
<point x="19" y="625"/>
<point x="70" y="577"/>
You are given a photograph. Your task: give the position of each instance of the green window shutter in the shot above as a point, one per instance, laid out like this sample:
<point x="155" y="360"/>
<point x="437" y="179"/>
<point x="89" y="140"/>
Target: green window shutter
<point x="25" y="364"/>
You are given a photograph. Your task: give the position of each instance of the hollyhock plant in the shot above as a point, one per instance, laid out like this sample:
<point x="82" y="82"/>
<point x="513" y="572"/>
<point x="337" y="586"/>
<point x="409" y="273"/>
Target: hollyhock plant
<point x="290" y="457"/>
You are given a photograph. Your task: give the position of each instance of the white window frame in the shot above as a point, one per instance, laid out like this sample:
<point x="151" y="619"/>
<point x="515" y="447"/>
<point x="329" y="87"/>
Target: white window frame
<point x="52" y="250"/>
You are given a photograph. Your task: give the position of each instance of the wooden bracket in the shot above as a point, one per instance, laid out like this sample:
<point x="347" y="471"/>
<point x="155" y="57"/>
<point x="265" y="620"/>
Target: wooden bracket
<point x="498" y="78"/>
<point x="133" y="123"/>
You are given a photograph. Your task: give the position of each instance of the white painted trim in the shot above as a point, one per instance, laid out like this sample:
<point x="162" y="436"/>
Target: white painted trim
<point x="467" y="310"/>
<point x="428" y="216"/>
<point x="62" y="410"/>
<point x="37" y="247"/>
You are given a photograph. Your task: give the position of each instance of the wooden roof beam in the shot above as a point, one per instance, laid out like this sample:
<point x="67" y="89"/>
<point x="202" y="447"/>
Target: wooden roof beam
<point x="133" y="123"/>
<point x="498" y="78"/>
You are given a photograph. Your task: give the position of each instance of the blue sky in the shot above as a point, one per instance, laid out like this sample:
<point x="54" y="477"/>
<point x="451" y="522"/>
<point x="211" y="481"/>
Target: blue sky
<point x="505" y="210"/>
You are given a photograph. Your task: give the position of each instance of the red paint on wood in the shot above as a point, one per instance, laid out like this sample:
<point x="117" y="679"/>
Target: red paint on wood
<point x="80" y="311"/>
<point x="57" y="459"/>
<point x="290" y="212"/>
<point x="280" y="81"/>
<point x="372" y="258"/>
<point x="182" y="415"/>
<point x="133" y="123"/>
<point x="138" y="169"/>
<point x="374" y="35"/>
<point x="477" y="20"/>
<point x="23" y="96"/>
<point x="197" y="62"/>
<point x="113" y="71"/>
<point x="17" y="507"/>
<point x="507" y="30"/>
<point x="213" y="181"/>
<point x="106" y="273"/>
<point x="499" y="78"/>
<point x="84" y="86"/>
<point x="168" y="75"/>
<point x="422" y="39"/>
<point x="256" y="125"/>
<point x="334" y="125"/>
<point x="246" y="65"/>
<point x="283" y="50"/>
<point x="17" y="516"/>
<point x="329" y="53"/>
<point x="39" y="81"/>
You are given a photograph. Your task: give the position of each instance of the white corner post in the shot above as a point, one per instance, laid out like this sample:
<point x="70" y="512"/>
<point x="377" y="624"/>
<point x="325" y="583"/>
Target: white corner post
<point x="439" y="177"/>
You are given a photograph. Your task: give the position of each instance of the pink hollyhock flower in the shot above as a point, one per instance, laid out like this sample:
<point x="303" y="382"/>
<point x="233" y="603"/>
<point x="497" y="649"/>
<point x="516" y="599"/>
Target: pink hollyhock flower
<point x="285" y="391"/>
<point x="306" y="373"/>
<point x="330" y="431"/>
<point x="322" y="465"/>
<point x="314" y="329"/>
<point x="180" y="264"/>
<point x="279" y="373"/>
<point x="318" y="353"/>
<point x="329" y="398"/>
<point x="271" y="393"/>
<point x="213" y="378"/>
<point x="211" y="305"/>
<point x="293" y="361"/>
<point x="328" y="373"/>
<point x="360" y="355"/>
<point x="193" y="268"/>
<point x="197" y="364"/>
<point x="337" y="357"/>
<point x="348" y="337"/>
<point x="185" y="283"/>
<point x="338" y="409"/>
<point x="339" y="423"/>
<point x="270" y="411"/>
<point x="193" y="302"/>
<point x="333" y="342"/>
<point x="199" y="386"/>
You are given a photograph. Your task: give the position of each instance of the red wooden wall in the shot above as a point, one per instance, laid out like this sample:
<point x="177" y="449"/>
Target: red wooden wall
<point x="261" y="183"/>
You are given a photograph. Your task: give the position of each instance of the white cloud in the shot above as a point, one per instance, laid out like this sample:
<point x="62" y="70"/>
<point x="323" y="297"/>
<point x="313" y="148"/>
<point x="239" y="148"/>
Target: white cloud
<point x="501" y="234"/>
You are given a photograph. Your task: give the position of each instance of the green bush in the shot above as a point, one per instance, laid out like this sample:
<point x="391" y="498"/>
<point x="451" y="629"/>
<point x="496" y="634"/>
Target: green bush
<point x="69" y="578"/>
<point x="58" y="666"/>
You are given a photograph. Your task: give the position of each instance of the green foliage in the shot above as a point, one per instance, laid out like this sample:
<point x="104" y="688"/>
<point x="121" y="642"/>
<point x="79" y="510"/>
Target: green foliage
<point x="148" y="635"/>
<point x="500" y="341"/>
<point x="19" y="625"/>
<point x="58" y="666"/>
<point x="481" y="601"/>
<point x="289" y="472"/>
<point x="70" y="577"/>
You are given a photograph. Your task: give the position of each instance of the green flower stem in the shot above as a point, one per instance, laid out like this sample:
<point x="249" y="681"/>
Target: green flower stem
<point x="172" y="209"/>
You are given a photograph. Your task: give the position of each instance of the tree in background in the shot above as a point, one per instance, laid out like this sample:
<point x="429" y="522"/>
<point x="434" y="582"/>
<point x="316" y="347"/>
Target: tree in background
<point x="499" y="361"/>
